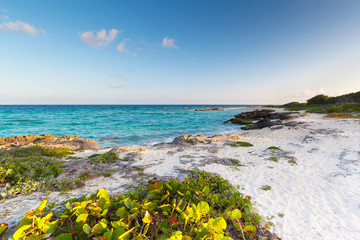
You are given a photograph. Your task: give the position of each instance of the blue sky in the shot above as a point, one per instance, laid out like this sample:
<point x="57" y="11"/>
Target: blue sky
<point x="177" y="52"/>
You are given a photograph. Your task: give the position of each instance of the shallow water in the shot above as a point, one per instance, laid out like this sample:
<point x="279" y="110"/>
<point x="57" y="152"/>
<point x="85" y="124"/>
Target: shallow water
<point x="126" y="125"/>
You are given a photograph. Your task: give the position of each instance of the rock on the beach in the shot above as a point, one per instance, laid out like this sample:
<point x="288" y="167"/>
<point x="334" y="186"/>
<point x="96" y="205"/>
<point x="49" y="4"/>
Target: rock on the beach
<point x="72" y="142"/>
<point x="264" y="118"/>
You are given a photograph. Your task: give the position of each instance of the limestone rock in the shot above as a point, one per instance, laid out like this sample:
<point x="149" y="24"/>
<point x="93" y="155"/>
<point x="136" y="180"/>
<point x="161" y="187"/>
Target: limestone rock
<point x="72" y="142"/>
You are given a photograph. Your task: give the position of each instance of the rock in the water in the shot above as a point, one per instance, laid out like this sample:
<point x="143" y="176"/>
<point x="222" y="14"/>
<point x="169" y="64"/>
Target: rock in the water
<point x="72" y="142"/>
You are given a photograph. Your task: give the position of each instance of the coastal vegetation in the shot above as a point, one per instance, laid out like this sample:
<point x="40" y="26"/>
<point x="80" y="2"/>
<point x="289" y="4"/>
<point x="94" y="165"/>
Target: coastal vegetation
<point x="241" y="144"/>
<point x="347" y="104"/>
<point x="203" y="206"/>
<point x="25" y="170"/>
<point x="109" y="157"/>
<point x="35" y="168"/>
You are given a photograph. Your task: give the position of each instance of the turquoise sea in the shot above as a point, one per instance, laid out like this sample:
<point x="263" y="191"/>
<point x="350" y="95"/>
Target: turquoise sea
<point x="126" y="125"/>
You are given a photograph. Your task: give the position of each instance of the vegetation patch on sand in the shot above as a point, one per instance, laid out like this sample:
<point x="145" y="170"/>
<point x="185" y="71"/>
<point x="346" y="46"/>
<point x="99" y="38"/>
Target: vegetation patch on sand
<point x="38" y="168"/>
<point x="204" y="206"/>
<point x="109" y="157"/>
<point x="25" y="170"/>
<point x="348" y="103"/>
<point x="241" y="144"/>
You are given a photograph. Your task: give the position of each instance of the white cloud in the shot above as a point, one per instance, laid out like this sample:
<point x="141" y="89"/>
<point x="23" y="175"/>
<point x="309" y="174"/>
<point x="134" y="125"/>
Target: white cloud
<point x="169" y="43"/>
<point x="114" y="75"/>
<point x="101" y="39"/>
<point x="20" y="27"/>
<point x="121" y="46"/>
<point x="115" y="85"/>
<point x="4" y="17"/>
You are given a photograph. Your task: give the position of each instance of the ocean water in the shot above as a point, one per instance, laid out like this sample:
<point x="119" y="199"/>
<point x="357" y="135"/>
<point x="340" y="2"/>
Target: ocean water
<point x="126" y="125"/>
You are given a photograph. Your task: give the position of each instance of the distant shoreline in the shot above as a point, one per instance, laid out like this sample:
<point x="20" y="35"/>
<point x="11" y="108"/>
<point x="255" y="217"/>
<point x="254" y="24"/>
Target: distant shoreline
<point x="225" y="108"/>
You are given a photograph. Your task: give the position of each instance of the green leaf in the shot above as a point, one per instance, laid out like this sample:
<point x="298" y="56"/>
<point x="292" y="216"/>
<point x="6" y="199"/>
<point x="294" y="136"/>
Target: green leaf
<point x="21" y="232"/>
<point x="250" y="228"/>
<point x="86" y="228"/>
<point x="82" y="218"/>
<point x="236" y="214"/>
<point x="203" y="207"/>
<point x="219" y="224"/>
<point x="206" y="190"/>
<point x="64" y="236"/>
<point x="127" y="204"/>
<point x="42" y="205"/>
<point x="126" y="234"/>
<point x="103" y="194"/>
<point x="3" y="228"/>
<point x="121" y="212"/>
<point x="147" y="218"/>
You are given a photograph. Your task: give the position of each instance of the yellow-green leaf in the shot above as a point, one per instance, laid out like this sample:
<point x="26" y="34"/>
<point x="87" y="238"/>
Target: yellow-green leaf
<point x="236" y="214"/>
<point x="147" y="218"/>
<point x="86" y="228"/>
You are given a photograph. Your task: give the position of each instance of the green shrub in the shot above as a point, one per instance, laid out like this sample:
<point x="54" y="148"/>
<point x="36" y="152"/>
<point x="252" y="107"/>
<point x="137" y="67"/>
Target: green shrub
<point x="25" y="170"/>
<point x="344" y="108"/>
<point x="37" y="150"/>
<point x="321" y="99"/>
<point x="109" y="157"/>
<point x="204" y="206"/>
<point x="190" y="141"/>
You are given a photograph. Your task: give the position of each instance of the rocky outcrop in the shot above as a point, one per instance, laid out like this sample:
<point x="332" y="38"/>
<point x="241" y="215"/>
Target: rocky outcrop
<point x="197" y="139"/>
<point x="72" y="142"/>
<point x="261" y="119"/>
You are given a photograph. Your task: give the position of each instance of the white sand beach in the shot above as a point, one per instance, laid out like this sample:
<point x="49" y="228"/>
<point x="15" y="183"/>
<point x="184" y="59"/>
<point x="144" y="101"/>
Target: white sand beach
<point x="314" y="178"/>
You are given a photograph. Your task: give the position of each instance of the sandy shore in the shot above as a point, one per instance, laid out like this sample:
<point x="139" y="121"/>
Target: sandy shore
<point x="314" y="178"/>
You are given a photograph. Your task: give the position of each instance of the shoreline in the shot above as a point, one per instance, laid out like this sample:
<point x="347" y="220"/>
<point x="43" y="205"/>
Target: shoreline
<point x="314" y="178"/>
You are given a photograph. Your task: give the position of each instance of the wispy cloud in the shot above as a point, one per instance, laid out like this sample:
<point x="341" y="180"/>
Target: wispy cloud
<point x="115" y="85"/>
<point x="169" y="43"/>
<point x="20" y="27"/>
<point x="4" y="17"/>
<point x="100" y="39"/>
<point x="121" y="46"/>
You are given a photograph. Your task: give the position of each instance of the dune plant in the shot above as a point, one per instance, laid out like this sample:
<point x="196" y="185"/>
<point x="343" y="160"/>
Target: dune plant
<point x="204" y="206"/>
<point x="28" y="169"/>
<point x="241" y="144"/>
<point x="109" y="157"/>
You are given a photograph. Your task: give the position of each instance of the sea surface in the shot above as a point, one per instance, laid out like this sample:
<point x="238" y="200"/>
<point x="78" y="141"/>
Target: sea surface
<point x="116" y="125"/>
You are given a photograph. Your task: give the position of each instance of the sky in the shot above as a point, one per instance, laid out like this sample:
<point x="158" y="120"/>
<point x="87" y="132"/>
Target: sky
<point x="177" y="52"/>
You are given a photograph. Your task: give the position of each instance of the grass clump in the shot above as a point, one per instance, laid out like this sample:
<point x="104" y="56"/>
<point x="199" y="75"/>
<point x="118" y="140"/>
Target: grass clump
<point x="190" y="141"/>
<point x="84" y="175"/>
<point x="109" y="157"/>
<point x="266" y="187"/>
<point x="204" y="206"/>
<point x="274" y="159"/>
<point x="292" y="161"/>
<point x="236" y="162"/>
<point x="241" y="144"/>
